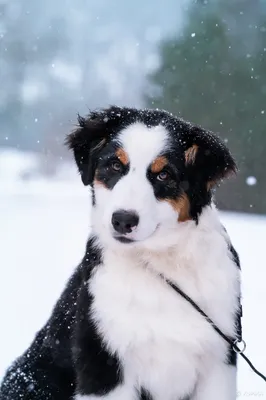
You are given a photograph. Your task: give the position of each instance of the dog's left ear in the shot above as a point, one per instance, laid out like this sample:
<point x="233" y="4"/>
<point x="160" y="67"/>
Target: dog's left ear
<point x="90" y="137"/>
<point x="207" y="156"/>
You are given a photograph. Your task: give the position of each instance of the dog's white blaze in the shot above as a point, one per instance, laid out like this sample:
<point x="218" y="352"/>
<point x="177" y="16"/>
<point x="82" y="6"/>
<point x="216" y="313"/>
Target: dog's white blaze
<point x="161" y="340"/>
<point x="143" y="145"/>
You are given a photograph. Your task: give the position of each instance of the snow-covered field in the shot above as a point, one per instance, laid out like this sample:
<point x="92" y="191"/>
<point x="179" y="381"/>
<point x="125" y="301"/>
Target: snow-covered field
<point x="43" y="230"/>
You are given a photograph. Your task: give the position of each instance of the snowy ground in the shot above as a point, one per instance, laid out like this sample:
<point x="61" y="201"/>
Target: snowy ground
<point x="42" y="234"/>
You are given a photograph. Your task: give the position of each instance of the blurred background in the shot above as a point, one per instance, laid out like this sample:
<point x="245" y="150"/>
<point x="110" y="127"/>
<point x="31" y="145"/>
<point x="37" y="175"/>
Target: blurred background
<point x="203" y="60"/>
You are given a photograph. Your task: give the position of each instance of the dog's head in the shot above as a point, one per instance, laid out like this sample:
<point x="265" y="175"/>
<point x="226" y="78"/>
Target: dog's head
<point x="149" y="171"/>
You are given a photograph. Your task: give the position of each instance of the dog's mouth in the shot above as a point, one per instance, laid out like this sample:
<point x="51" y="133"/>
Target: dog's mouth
<point x="127" y="240"/>
<point x="124" y="239"/>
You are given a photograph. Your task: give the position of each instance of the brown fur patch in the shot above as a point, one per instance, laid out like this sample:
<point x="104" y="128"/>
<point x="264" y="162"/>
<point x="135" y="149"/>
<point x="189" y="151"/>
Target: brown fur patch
<point x="190" y="154"/>
<point x="182" y="206"/>
<point x="122" y="156"/>
<point x="158" y="164"/>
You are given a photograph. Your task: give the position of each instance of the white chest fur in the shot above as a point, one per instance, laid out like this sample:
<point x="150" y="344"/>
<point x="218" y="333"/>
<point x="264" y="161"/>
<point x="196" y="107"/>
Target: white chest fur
<point x="162" y="342"/>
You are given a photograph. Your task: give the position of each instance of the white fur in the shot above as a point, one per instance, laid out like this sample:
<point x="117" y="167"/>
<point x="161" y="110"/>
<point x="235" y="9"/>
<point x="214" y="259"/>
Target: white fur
<point x="219" y="383"/>
<point x="161" y="340"/>
<point x="164" y="345"/>
<point x="123" y="392"/>
<point x="134" y="191"/>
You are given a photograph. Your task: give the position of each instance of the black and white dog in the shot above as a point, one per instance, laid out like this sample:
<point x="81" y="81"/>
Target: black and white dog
<point x="119" y="331"/>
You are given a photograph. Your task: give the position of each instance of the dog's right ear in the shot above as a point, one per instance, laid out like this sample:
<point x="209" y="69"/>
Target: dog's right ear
<point x="89" y="138"/>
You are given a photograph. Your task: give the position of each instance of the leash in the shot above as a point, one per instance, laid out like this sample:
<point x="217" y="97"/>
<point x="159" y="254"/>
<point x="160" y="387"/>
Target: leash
<point x="234" y="343"/>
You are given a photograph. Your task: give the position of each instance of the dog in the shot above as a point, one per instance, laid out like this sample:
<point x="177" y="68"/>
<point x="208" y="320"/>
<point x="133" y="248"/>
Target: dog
<point x="119" y="331"/>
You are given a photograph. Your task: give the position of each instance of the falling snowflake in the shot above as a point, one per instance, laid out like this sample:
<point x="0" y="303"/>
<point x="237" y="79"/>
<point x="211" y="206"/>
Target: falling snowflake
<point x="251" y="181"/>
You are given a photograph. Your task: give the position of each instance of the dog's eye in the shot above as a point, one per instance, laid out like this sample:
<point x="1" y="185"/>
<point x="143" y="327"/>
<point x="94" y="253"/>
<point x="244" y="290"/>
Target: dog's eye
<point x="163" y="176"/>
<point x="116" y="166"/>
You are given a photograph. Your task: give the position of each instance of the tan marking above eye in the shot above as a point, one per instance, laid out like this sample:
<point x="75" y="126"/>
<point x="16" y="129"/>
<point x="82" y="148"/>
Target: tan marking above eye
<point x="158" y="164"/>
<point x="122" y="156"/>
<point x="190" y="154"/>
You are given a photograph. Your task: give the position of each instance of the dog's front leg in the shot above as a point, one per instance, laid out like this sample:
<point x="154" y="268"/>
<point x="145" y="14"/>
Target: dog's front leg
<point x="218" y="383"/>
<point x="99" y="373"/>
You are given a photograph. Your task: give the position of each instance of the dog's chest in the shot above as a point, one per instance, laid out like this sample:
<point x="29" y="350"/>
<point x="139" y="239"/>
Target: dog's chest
<point x="158" y="335"/>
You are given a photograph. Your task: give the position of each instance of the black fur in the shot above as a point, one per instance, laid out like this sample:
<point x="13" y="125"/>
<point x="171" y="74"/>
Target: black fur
<point x="45" y="370"/>
<point x="232" y="355"/>
<point x="98" y="372"/>
<point x="145" y="395"/>
<point x="67" y="353"/>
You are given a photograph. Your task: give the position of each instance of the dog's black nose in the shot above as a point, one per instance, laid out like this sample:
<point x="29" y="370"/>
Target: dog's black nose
<point x="124" y="221"/>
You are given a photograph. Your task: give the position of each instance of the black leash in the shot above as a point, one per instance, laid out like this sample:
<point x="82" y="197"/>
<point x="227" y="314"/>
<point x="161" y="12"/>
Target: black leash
<point x="232" y="342"/>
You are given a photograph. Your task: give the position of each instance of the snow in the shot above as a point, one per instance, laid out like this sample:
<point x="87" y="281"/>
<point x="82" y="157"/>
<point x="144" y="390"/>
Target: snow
<point x="21" y="174"/>
<point x="33" y="90"/>
<point x="43" y="231"/>
<point x="251" y="180"/>
<point x="70" y="74"/>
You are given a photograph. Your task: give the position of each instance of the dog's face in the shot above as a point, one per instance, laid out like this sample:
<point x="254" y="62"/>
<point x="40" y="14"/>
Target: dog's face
<point x="149" y="172"/>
